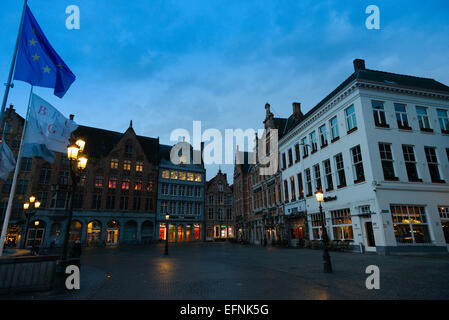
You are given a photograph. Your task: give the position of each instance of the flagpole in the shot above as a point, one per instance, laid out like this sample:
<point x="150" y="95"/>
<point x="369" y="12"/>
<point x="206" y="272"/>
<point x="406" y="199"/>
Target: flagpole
<point x="14" y="181"/>
<point x="11" y="70"/>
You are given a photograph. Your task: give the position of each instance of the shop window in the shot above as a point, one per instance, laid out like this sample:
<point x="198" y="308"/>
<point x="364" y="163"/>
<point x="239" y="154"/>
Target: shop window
<point x="342" y="225"/>
<point x="410" y="224"/>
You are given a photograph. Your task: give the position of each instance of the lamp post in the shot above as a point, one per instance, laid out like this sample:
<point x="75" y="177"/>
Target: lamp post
<point x="30" y="207"/>
<point x="326" y="257"/>
<point x="167" y="217"/>
<point x="78" y="163"/>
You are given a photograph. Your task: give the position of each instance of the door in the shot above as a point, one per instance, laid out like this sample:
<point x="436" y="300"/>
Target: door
<point x="370" y="243"/>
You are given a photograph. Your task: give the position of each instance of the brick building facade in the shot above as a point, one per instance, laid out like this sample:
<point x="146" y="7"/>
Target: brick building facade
<point x="219" y="216"/>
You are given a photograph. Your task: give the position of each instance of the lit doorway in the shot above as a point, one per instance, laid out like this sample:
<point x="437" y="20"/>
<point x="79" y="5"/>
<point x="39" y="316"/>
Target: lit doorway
<point x="112" y="230"/>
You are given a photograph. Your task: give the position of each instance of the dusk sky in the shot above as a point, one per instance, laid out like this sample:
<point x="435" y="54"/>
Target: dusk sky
<point x="164" y="64"/>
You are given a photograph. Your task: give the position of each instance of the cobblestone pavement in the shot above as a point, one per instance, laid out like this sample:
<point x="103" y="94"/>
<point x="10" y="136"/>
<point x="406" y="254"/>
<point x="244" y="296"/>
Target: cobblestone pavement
<point x="232" y="271"/>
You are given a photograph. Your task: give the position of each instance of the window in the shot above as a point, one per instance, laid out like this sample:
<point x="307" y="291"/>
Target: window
<point x="43" y="197"/>
<point x="317" y="221"/>
<point x="286" y="191"/>
<point x="165" y="174"/>
<point x="99" y="181"/>
<point x="96" y="201"/>
<point x="127" y="165"/>
<point x="410" y="163"/>
<point x="182" y="175"/>
<point x="432" y="163"/>
<point x="423" y="119"/>
<point x="357" y="164"/>
<point x="290" y="157"/>
<point x="211" y="214"/>
<point x="22" y="186"/>
<point x="351" y="120"/>
<point x="305" y="150"/>
<point x="443" y="120"/>
<point x="44" y="177"/>
<point x="63" y="178"/>
<point x="138" y="185"/>
<point x="284" y="162"/>
<point x="317" y="176"/>
<point x="136" y="204"/>
<point x="313" y="142"/>
<point x="323" y="136"/>
<point x="297" y="153"/>
<point x="139" y="166"/>
<point x="189" y="176"/>
<point x="174" y="174"/>
<point x="123" y="203"/>
<point x="308" y="182"/>
<point x="110" y="202"/>
<point x="220" y="187"/>
<point x="128" y="149"/>
<point x="112" y="182"/>
<point x="444" y="215"/>
<point x="341" y="178"/>
<point x="334" y="129"/>
<point x="114" y="163"/>
<point x="342" y="224"/>
<point x="379" y="114"/>
<point x="198" y="177"/>
<point x="328" y="174"/>
<point x="410" y="224"/>
<point x="26" y="164"/>
<point x="387" y="161"/>
<point x="292" y="188"/>
<point x="150" y="186"/>
<point x="125" y="184"/>
<point x="401" y="116"/>
<point x="148" y="204"/>
<point x="300" y="187"/>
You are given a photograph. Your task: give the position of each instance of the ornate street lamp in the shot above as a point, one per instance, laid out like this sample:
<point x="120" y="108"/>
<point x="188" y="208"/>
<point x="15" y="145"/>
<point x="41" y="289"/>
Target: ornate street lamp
<point x="78" y="163"/>
<point x="326" y="257"/>
<point x="167" y="217"/>
<point x="30" y="207"/>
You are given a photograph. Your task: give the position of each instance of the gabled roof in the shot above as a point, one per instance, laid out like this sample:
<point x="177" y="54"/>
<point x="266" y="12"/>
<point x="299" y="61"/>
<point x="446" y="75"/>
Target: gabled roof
<point x="100" y="142"/>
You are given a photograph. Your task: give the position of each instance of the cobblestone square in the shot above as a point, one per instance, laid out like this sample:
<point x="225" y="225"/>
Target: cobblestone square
<point x="202" y="271"/>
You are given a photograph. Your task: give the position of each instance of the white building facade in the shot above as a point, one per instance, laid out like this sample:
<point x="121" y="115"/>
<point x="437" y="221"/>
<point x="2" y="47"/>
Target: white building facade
<point x="378" y="147"/>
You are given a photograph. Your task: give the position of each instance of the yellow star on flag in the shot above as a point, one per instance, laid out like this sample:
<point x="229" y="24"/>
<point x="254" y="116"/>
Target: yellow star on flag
<point x="46" y="69"/>
<point x="36" y="57"/>
<point x="32" y="42"/>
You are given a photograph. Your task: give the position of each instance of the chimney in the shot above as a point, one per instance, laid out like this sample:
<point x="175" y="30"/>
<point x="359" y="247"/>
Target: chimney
<point x="297" y="110"/>
<point x="72" y="116"/>
<point x="11" y="107"/>
<point x="359" y="64"/>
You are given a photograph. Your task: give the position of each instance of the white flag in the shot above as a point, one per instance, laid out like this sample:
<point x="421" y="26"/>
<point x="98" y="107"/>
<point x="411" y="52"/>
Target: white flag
<point x="46" y="125"/>
<point x="7" y="160"/>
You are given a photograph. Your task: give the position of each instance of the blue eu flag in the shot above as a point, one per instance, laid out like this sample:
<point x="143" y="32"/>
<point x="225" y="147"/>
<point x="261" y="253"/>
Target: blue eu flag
<point x="37" y="62"/>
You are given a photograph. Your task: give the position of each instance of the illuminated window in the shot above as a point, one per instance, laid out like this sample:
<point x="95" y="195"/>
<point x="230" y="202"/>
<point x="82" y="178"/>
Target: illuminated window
<point x="127" y="165"/>
<point x="138" y="185"/>
<point x="174" y="174"/>
<point x="112" y="182"/>
<point x="114" y="163"/>
<point x="165" y="174"/>
<point x="125" y="184"/>
<point x="99" y="180"/>
<point x="150" y="186"/>
<point x="139" y="166"/>
<point x="198" y="177"/>
<point x="182" y="175"/>
<point x="342" y="224"/>
<point x="410" y="224"/>
<point x="189" y="176"/>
